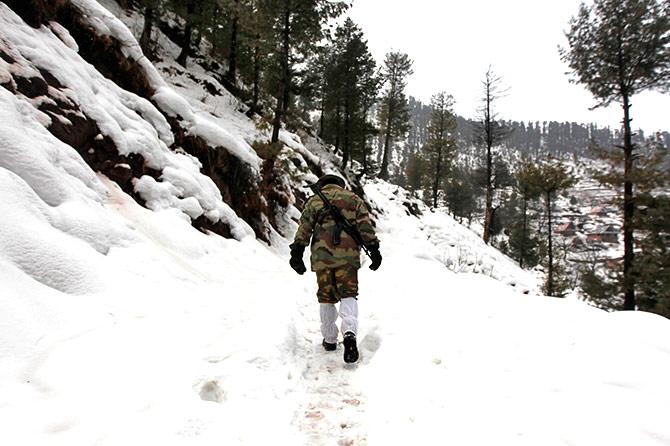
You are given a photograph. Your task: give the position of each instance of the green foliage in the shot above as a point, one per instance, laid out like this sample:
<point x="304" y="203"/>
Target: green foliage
<point x="296" y="28"/>
<point x="548" y="179"/>
<point x="619" y="47"/>
<point x="652" y="262"/>
<point x="561" y="281"/>
<point x="394" y="112"/>
<point x="460" y="194"/>
<point x="345" y="87"/>
<point x="522" y="244"/>
<point x="651" y="269"/>
<point x="441" y="144"/>
<point x="416" y="171"/>
<point x="601" y="285"/>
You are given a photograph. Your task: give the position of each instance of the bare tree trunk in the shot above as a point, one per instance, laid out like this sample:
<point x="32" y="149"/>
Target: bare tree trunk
<point x="550" y="268"/>
<point x="188" y="34"/>
<point x="338" y="126"/>
<point x="232" y="60"/>
<point x="524" y="231"/>
<point x="257" y="75"/>
<point x="384" y="170"/>
<point x="282" y="100"/>
<point x="347" y="125"/>
<point x="438" y="164"/>
<point x="628" y="211"/>
<point x="322" y="118"/>
<point x="488" y="129"/>
<point x="364" y="144"/>
<point x="145" y="38"/>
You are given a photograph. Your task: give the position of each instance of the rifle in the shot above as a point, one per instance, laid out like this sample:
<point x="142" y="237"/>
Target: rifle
<point x="341" y="223"/>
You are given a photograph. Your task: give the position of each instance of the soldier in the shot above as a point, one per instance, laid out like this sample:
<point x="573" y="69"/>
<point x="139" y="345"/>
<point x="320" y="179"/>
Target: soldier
<point x="335" y="257"/>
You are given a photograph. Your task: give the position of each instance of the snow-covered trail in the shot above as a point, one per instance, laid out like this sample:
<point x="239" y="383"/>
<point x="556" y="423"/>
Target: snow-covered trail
<point x="196" y="340"/>
<point x="331" y="408"/>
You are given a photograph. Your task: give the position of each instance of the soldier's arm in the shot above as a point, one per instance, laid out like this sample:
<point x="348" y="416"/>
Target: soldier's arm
<point x="306" y="225"/>
<point x="364" y="224"/>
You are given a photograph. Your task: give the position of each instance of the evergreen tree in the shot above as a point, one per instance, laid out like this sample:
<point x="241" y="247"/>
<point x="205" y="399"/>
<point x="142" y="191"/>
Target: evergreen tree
<point x="523" y="246"/>
<point x="394" y="113"/>
<point x="441" y="144"/>
<point x="618" y="48"/>
<point x="460" y="194"/>
<point x="368" y="96"/>
<point x="550" y="178"/>
<point x="651" y="177"/>
<point x="353" y="72"/>
<point x="415" y="171"/>
<point x="297" y="27"/>
<point x="489" y="132"/>
<point x="652" y="263"/>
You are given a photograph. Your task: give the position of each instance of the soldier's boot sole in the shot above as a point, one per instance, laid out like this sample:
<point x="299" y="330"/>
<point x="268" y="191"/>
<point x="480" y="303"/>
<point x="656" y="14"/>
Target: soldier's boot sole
<point x="350" y="348"/>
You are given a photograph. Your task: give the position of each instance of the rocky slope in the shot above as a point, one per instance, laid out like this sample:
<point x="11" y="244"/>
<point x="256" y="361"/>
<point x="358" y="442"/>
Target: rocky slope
<point x="82" y="72"/>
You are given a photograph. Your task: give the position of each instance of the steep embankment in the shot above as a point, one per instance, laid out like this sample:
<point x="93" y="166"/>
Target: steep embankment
<point x="122" y="324"/>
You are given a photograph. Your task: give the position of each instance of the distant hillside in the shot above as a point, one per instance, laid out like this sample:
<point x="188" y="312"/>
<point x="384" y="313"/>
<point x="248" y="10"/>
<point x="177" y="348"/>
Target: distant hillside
<point x="531" y="138"/>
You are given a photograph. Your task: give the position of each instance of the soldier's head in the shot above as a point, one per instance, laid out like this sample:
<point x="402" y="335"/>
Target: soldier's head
<point x="331" y="179"/>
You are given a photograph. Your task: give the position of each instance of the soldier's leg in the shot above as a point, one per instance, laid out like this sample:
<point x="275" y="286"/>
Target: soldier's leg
<point x="349" y="314"/>
<point x="347" y="288"/>
<point x="327" y="300"/>
<point x="328" y="325"/>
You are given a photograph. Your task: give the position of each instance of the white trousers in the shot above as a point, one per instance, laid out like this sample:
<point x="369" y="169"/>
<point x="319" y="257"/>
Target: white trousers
<point x="349" y="314"/>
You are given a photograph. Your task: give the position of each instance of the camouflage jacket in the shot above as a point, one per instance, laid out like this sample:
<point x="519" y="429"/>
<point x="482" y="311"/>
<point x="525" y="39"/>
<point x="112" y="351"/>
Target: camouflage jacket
<point x="317" y="223"/>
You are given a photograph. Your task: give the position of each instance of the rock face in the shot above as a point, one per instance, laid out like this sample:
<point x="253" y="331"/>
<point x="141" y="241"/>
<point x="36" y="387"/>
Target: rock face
<point x="255" y="198"/>
<point x="36" y="12"/>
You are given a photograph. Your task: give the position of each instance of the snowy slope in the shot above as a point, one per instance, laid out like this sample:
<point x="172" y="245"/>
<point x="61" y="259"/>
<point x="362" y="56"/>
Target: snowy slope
<point x="185" y="338"/>
<point x="121" y="325"/>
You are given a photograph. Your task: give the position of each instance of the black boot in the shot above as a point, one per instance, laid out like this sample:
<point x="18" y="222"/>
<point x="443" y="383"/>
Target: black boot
<point x="350" y="349"/>
<point x="327" y="346"/>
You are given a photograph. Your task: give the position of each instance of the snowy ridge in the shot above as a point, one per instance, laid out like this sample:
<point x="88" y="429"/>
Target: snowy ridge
<point x="171" y="103"/>
<point x="460" y="249"/>
<point x="189" y="338"/>
<point x="133" y="123"/>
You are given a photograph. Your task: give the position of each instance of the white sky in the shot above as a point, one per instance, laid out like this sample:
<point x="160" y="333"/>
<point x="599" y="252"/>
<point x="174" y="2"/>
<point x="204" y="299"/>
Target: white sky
<point x="452" y="44"/>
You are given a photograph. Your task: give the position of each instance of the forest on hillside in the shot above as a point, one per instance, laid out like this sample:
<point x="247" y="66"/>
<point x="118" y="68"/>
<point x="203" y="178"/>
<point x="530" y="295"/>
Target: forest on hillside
<point x="532" y="138"/>
<point x="302" y="64"/>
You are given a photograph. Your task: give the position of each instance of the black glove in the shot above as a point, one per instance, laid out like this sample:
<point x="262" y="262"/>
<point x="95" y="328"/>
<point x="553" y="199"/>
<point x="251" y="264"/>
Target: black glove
<point x="375" y="255"/>
<point x="296" y="258"/>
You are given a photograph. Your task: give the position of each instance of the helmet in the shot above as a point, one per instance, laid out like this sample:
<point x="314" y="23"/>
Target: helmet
<point x="331" y="179"/>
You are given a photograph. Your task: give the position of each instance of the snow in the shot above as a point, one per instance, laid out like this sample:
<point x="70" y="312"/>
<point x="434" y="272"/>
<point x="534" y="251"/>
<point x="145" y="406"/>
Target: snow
<point x="105" y="23"/>
<point x="132" y="122"/>
<point x="179" y="337"/>
<point x="124" y="325"/>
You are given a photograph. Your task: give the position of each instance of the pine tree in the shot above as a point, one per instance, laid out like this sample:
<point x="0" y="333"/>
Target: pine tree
<point x="460" y="194"/>
<point x="441" y="144"/>
<point x="489" y="132"/>
<point x="618" y="48"/>
<point x="394" y="113"/>
<point x="651" y="269"/>
<point x="652" y="264"/>
<point x="355" y="67"/>
<point x="415" y="171"/>
<point x="344" y="88"/>
<point x="550" y="178"/>
<point x="523" y="246"/>
<point x="298" y="26"/>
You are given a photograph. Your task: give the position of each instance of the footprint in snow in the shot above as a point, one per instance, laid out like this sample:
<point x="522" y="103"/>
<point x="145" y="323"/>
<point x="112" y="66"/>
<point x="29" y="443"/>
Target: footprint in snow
<point x="210" y="390"/>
